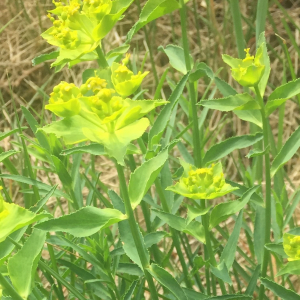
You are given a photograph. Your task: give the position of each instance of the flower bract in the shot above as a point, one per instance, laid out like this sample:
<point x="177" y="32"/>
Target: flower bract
<point x="123" y="79"/>
<point x="203" y="183"/>
<point x="291" y="245"/>
<point x="248" y="71"/>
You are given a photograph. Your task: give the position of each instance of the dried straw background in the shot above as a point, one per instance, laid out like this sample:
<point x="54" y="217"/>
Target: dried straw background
<point x="20" y="42"/>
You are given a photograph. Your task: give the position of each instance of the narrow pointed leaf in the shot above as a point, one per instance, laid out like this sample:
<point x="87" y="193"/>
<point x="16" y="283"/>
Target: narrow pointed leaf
<point x="22" y="266"/>
<point x="280" y="291"/>
<point x="222" y="149"/>
<point x="223" y="211"/>
<point x="83" y="222"/>
<point x="287" y="151"/>
<point x="229" y="251"/>
<point x="163" y="118"/>
<point x="144" y="176"/>
<point x="167" y="280"/>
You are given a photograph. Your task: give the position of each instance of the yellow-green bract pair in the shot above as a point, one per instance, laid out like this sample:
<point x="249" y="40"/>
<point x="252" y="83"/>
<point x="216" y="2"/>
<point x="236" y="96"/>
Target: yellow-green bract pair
<point x="248" y="71"/>
<point x="95" y="112"/>
<point x="203" y="183"/>
<point x="80" y="25"/>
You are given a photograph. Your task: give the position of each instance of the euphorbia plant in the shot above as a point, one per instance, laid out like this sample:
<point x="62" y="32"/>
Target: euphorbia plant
<point x="98" y="248"/>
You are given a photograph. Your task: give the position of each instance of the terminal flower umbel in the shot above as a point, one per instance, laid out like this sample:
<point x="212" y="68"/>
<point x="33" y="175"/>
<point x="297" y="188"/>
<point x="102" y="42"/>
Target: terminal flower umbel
<point x="103" y="117"/>
<point x="203" y="183"/>
<point x="80" y="25"/>
<point x="291" y="245"/>
<point x="248" y="71"/>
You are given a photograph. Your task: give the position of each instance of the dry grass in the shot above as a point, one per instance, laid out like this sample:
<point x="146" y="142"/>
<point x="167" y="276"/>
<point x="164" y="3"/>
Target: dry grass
<point x="21" y="42"/>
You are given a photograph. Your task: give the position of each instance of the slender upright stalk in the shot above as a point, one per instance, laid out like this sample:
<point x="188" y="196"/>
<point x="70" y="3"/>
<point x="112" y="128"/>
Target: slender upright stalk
<point x="174" y="234"/>
<point x="156" y="80"/>
<point x="135" y="231"/>
<point x="192" y="92"/>
<point x="267" y="193"/>
<point x="101" y="58"/>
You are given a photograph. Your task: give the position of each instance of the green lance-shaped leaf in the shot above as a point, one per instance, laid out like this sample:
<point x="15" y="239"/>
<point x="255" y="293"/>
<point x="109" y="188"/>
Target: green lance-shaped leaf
<point x="259" y="233"/>
<point x="83" y="222"/>
<point x="266" y="62"/>
<point x="251" y="115"/>
<point x="194" y="228"/>
<point x="167" y="280"/>
<point x="286" y="91"/>
<point x="253" y="281"/>
<point x="163" y="118"/>
<point x="292" y="267"/>
<point x="176" y="57"/>
<point x="229" y="103"/>
<point x="144" y="176"/>
<point x="279" y="290"/>
<point x="221" y="272"/>
<point x="14" y="217"/>
<point x="228" y="253"/>
<point x="44" y="57"/>
<point x="7" y="154"/>
<point x="152" y="10"/>
<point x="6" y="247"/>
<point x="129" y="244"/>
<point x="287" y="151"/>
<point x="4" y="135"/>
<point x="222" y="149"/>
<point x="281" y="94"/>
<point x="224" y="210"/>
<point x="22" y="266"/>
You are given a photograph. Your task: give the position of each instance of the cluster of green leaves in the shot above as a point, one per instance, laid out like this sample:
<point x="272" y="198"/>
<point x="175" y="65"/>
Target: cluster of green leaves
<point x="99" y="249"/>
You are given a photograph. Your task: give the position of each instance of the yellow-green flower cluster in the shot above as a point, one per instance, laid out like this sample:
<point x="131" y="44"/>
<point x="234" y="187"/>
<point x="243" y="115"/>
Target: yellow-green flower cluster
<point x="79" y="25"/>
<point x="64" y="100"/>
<point x="203" y="183"/>
<point x="95" y="112"/>
<point x="291" y="245"/>
<point x="248" y="71"/>
<point x="123" y="79"/>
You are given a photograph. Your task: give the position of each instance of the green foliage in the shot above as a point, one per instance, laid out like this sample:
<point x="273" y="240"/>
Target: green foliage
<point x="22" y="266"/>
<point x="142" y="236"/>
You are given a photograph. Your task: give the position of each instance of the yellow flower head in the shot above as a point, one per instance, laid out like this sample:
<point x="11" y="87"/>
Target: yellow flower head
<point x="80" y="25"/>
<point x="291" y="245"/>
<point x="203" y="183"/>
<point x="123" y="79"/>
<point x="64" y="100"/>
<point x="248" y="71"/>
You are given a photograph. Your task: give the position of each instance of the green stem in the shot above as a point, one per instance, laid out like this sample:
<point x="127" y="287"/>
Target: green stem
<point x="101" y="58"/>
<point x="149" y="48"/>
<point x="176" y="241"/>
<point x="135" y="231"/>
<point x="268" y="191"/>
<point x="192" y="93"/>
<point x="210" y="251"/>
